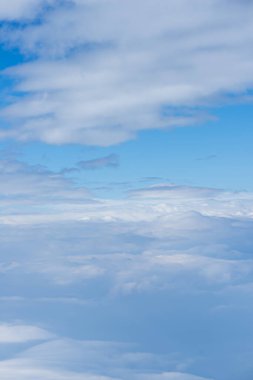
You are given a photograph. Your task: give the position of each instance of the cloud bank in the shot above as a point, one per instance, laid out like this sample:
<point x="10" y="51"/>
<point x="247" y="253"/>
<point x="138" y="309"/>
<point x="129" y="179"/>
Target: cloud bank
<point x="166" y="272"/>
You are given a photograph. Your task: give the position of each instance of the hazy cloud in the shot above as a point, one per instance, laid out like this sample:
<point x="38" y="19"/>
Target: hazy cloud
<point x="63" y="359"/>
<point x="170" y="272"/>
<point x="19" y="9"/>
<point x="98" y="163"/>
<point x="16" y="333"/>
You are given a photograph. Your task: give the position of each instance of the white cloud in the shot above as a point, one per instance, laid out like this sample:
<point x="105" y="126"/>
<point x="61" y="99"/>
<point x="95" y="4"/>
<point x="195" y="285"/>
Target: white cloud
<point x="14" y="369"/>
<point x="108" y="69"/>
<point x="63" y="359"/>
<point x="29" y="189"/>
<point x="17" y="333"/>
<point x="169" y="268"/>
<point x="172" y="376"/>
<point x="20" y="9"/>
<point x="24" y="185"/>
<point x="193" y="234"/>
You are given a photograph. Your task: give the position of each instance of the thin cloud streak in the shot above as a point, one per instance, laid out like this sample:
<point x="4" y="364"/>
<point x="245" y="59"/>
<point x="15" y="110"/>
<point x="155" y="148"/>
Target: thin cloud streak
<point x="98" y="163"/>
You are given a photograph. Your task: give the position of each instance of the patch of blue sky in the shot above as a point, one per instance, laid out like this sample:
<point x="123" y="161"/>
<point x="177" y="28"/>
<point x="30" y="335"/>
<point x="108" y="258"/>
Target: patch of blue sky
<point x="217" y="153"/>
<point x="10" y="57"/>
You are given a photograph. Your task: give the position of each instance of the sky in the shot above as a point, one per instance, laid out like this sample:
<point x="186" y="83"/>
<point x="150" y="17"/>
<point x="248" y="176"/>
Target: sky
<point x="126" y="190"/>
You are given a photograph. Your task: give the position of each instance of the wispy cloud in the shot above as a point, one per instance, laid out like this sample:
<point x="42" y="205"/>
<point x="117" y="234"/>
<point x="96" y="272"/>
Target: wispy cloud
<point x="127" y="67"/>
<point x="93" y="360"/>
<point x="26" y="188"/>
<point x="24" y="10"/>
<point x="98" y="163"/>
<point x="110" y="161"/>
<point x="19" y="9"/>
<point x="17" y="333"/>
<point x="207" y="158"/>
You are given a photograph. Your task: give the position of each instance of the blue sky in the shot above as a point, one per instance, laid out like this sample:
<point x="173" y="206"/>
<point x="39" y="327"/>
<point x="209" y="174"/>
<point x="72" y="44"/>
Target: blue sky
<point x="126" y="190"/>
<point x="216" y="154"/>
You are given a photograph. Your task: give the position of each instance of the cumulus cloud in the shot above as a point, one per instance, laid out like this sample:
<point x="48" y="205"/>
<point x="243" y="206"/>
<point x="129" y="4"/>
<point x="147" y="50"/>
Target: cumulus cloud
<point x="108" y="69"/>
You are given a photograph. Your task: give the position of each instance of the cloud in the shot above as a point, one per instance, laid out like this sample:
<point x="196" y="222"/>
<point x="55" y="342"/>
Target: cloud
<point x="207" y="158"/>
<point x="172" y="376"/>
<point x="15" y="333"/>
<point x="14" y="369"/>
<point x="204" y="226"/>
<point x="171" y="191"/>
<point x="111" y="161"/>
<point x="87" y="360"/>
<point x="20" y="10"/>
<point x="167" y="271"/>
<point x="33" y="194"/>
<point x="30" y="189"/>
<point x="31" y="182"/>
<point x="108" y="161"/>
<point x="106" y="70"/>
<point x="51" y="196"/>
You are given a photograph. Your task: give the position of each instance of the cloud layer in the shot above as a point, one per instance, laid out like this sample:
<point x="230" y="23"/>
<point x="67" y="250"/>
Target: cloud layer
<point x="167" y="270"/>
